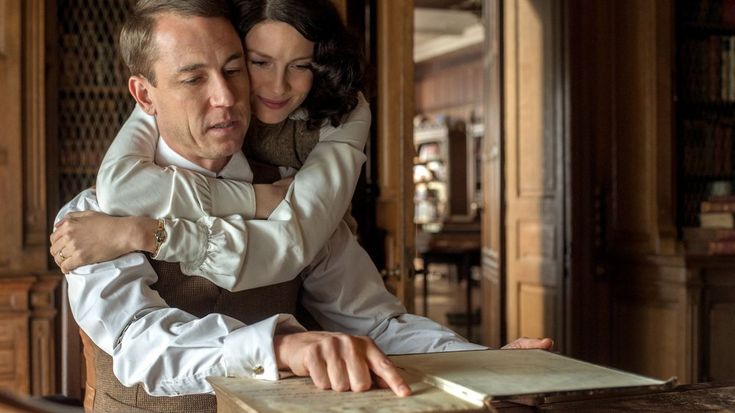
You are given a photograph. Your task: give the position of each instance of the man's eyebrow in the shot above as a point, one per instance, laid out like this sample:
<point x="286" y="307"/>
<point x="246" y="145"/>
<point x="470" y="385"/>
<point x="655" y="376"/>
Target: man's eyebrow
<point x="196" y="66"/>
<point x="235" y="56"/>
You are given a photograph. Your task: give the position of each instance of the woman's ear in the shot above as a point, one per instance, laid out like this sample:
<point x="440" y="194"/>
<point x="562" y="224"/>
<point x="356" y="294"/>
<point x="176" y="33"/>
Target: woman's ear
<point x="140" y="88"/>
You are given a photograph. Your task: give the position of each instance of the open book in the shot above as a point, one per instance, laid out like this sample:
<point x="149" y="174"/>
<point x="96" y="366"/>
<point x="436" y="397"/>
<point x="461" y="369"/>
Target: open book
<point x="464" y="381"/>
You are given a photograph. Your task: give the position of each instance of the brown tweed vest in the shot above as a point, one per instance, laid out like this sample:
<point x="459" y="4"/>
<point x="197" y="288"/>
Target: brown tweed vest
<point x="284" y="144"/>
<point x="199" y="297"/>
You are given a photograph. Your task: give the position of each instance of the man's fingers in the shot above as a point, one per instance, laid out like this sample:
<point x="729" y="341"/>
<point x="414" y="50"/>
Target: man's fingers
<point x="381" y="383"/>
<point x="337" y="372"/>
<point x="78" y="214"/>
<point x="317" y="368"/>
<point x="530" y="343"/>
<point x="357" y="369"/>
<point x="384" y="369"/>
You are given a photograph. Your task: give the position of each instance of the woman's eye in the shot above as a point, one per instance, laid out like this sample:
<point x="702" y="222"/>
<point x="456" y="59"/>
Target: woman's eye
<point x="232" y="72"/>
<point x="304" y="66"/>
<point x="258" y="62"/>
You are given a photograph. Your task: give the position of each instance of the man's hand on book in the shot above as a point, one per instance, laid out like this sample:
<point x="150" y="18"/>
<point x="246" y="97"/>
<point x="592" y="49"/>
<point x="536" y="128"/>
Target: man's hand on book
<point x="338" y="361"/>
<point x="529" y="343"/>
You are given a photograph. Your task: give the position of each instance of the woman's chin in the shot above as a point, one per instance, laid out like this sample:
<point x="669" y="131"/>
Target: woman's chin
<point x="271" y="117"/>
<point x="271" y="120"/>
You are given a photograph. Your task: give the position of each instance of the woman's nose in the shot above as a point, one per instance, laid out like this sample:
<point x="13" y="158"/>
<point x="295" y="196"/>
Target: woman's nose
<point x="280" y="83"/>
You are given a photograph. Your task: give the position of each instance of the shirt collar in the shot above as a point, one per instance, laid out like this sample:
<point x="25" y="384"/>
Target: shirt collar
<point x="237" y="168"/>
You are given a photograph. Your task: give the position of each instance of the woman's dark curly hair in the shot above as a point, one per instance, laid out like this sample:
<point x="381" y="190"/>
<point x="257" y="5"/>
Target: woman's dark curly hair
<point x="337" y="63"/>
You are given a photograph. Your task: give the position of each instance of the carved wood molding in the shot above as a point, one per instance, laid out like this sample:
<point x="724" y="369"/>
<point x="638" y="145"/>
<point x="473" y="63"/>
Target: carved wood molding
<point x="42" y="328"/>
<point x="3" y="26"/>
<point x="14" y="311"/>
<point x="394" y="119"/>
<point x="34" y="125"/>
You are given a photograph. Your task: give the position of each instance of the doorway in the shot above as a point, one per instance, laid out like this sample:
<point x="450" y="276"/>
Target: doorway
<point x="448" y="138"/>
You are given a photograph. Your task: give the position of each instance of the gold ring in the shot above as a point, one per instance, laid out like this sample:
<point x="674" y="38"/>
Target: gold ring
<point x="61" y="256"/>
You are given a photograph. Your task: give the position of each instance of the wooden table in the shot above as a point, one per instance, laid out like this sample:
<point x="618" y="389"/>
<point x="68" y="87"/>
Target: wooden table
<point x="702" y="397"/>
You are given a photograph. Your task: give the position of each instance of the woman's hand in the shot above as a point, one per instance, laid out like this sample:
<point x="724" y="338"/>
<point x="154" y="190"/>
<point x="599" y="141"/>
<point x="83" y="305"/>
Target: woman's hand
<point x="87" y="237"/>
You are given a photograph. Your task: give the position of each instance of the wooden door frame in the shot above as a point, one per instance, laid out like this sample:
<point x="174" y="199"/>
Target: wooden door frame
<point x="493" y="236"/>
<point x="394" y="120"/>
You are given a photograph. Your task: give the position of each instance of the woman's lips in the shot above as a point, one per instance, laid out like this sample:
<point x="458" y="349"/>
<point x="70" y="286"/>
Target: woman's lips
<point x="273" y="104"/>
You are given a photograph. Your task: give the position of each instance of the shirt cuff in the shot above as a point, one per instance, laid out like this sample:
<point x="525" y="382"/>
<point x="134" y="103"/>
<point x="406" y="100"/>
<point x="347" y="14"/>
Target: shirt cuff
<point x="249" y="350"/>
<point x="186" y="242"/>
<point x="218" y="246"/>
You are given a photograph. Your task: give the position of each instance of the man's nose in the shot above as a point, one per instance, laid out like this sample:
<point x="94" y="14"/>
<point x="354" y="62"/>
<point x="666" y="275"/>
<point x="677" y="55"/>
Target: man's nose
<point x="222" y="93"/>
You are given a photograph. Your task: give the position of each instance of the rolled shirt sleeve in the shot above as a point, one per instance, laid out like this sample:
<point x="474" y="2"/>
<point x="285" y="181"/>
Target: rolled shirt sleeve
<point x="167" y="350"/>
<point x="344" y="292"/>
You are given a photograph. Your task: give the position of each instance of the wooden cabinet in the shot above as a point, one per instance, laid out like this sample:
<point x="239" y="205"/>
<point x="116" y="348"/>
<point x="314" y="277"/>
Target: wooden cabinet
<point x="678" y="314"/>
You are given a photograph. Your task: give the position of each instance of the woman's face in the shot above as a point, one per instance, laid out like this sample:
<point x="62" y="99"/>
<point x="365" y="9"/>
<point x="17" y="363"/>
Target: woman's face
<point x="279" y="61"/>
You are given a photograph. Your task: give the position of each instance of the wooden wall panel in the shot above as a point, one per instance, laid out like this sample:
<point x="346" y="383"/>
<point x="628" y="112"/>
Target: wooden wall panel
<point x="642" y="189"/>
<point x="22" y="146"/>
<point x="721" y="358"/>
<point x="718" y="330"/>
<point x="14" y="334"/>
<point x="534" y="137"/>
<point x="656" y="319"/>
<point x="451" y="85"/>
<point x="27" y="359"/>
<point x="10" y="140"/>
<point x="538" y="312"/>
<point x="660" y="323"/>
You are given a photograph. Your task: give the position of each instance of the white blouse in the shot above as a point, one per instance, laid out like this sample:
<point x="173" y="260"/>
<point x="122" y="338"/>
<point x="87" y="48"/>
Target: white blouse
<point x="209" y="224"/>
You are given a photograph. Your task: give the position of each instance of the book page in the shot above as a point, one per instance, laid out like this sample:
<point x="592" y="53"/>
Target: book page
<point x="503" y="373"/>
<point x="298" y="394"/>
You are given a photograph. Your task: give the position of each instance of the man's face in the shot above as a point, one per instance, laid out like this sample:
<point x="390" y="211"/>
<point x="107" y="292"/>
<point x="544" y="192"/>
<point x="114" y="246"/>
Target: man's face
<point x="201" y="97"/>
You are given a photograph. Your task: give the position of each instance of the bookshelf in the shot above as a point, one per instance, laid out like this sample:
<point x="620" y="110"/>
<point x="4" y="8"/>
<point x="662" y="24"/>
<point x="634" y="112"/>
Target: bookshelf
<point x="705" y="102"/>
<point x="93" y="99"/>
<point x="446" y="174"/>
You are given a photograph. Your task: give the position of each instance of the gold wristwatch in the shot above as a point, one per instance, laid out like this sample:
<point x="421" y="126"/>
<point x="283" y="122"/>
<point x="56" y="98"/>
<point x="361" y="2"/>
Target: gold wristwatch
<point x="160" y="235"/>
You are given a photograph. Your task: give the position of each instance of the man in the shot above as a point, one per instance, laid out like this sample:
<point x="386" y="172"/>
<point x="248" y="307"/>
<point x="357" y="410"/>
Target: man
<point x="167" y="332"/>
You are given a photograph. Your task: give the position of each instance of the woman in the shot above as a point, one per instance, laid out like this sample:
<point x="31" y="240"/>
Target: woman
<point x="304" y="73"/>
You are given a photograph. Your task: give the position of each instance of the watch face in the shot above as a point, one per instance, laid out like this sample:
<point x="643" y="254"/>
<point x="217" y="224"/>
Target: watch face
<point x="160" y="235"/>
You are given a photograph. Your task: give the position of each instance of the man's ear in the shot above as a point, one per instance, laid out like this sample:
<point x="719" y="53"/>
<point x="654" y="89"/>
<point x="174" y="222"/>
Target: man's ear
<point x="140" y="88"/>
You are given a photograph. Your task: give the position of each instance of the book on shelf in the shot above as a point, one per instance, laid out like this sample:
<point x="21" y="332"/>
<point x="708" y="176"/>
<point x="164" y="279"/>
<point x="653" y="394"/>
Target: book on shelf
<point x="697" y="240"/>
<point x="717" y="220"/>
<point x="465" y="381"/>
<point x="717" y="206"/>
<point x="722" y="247"/>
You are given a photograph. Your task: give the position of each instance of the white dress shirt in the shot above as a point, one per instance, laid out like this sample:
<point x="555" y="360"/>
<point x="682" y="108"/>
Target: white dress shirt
<point x="171" y="352"/>
<point x="210" y="230"/>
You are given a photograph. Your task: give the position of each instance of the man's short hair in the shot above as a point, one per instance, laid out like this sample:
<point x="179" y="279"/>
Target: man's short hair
<point x="136" y="37"/>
